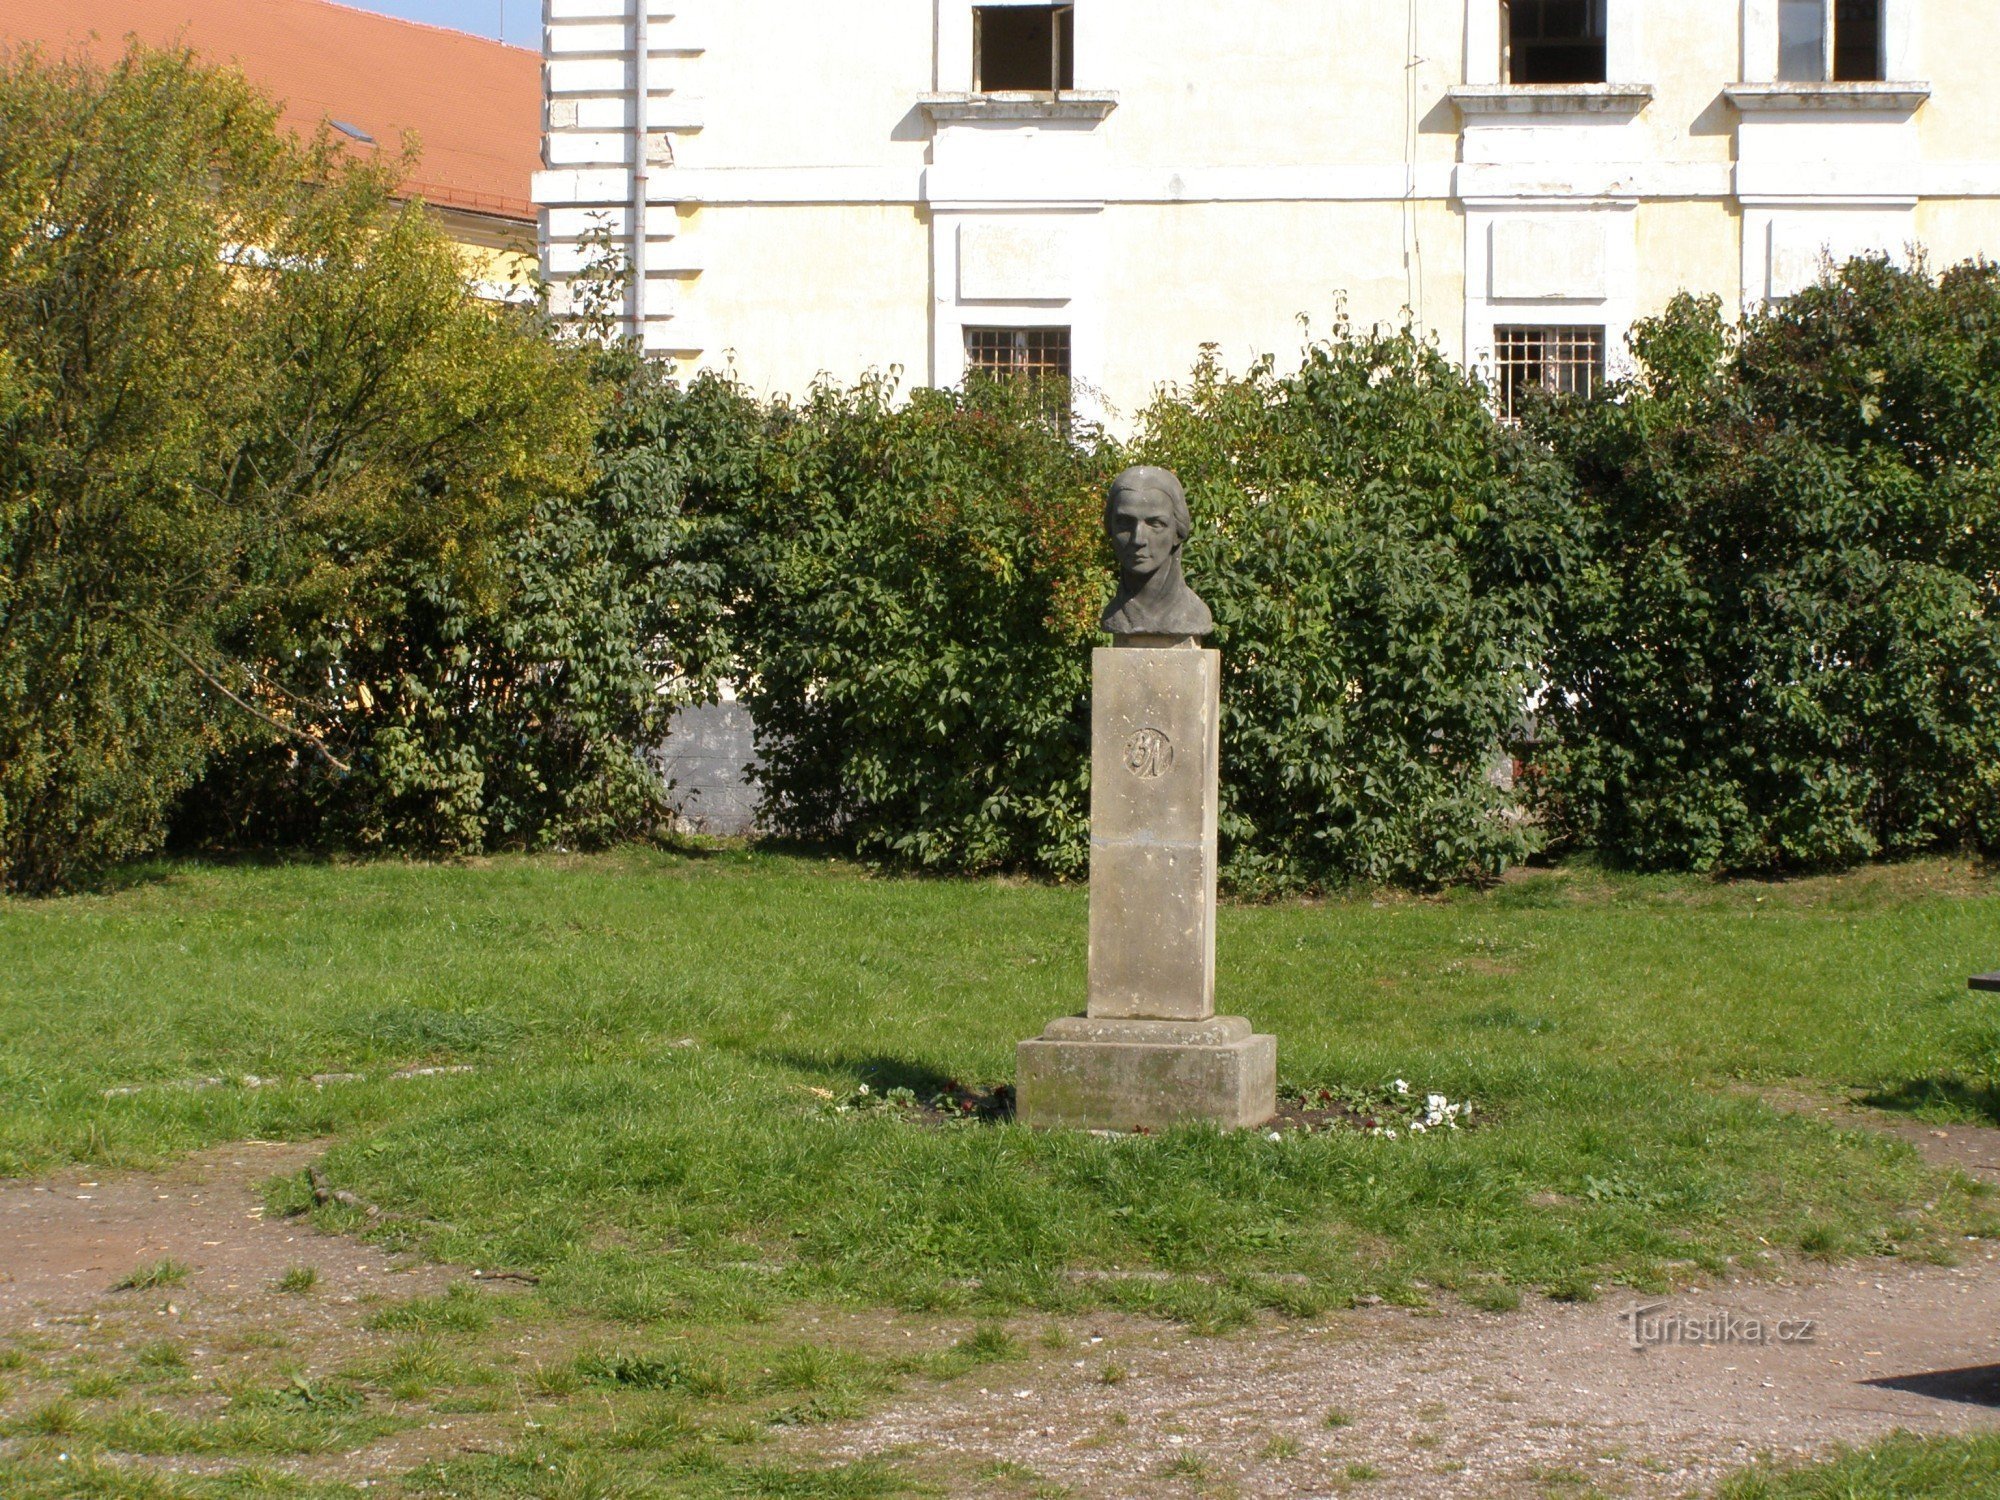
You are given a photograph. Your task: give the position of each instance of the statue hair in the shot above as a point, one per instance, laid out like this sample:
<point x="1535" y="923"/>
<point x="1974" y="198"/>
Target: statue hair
<point x="1146" y="479"/>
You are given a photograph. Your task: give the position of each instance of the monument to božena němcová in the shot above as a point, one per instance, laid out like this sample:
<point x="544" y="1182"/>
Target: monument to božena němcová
<point x="1150" y="1049"/>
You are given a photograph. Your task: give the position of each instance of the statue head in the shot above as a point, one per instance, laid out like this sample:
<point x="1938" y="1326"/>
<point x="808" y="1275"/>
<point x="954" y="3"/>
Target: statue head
<point x="1146" y="517"/>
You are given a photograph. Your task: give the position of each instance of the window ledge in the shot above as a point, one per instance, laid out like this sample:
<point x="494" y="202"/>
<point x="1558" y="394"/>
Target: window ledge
<point x="1857" y="98"/>
<point x="1067" y="105"/>
<point x="1484" y="100"/>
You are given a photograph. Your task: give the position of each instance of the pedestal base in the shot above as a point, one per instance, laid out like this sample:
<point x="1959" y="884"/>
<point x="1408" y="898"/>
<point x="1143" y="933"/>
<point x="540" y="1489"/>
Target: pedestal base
<point x="1098" y="1074"/>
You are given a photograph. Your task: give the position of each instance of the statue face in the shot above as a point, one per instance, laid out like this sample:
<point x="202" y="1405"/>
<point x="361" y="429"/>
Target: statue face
<point x="1142" y="532"/>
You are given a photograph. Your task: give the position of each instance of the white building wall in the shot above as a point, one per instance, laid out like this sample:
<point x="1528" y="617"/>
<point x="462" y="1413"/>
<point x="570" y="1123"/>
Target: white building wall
<point x="825" y="194"/>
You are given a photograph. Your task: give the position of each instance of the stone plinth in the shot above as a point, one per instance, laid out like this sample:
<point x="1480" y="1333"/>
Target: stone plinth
<point x="1155" y="718"/>
<point x="1131" y="1075"/>
<point x="1151" y="1051"/>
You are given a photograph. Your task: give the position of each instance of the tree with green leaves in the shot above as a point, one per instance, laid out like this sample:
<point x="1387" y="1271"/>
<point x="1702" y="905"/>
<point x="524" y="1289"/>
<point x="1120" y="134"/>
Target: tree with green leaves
<point x="261" y="458"/>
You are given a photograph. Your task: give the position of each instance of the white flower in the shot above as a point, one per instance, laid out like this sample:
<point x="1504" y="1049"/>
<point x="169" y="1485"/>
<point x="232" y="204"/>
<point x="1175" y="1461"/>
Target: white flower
<point x="1436" y="1103"/>
<point x="1400" y="1086"/>
<point x="862" y="1090"/>
<point x="1416" y="1127"/>
<point x="1390" y="1134"/>
<point x="1274" y="1136"/>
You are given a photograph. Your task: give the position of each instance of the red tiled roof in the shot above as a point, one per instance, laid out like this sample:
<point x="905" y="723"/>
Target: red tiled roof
<point x="474" y="105"/>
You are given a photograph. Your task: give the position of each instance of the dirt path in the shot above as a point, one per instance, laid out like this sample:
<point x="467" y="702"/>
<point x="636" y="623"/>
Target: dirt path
<point x="65" y="1241"/>
<point x="1552" y="1400"/>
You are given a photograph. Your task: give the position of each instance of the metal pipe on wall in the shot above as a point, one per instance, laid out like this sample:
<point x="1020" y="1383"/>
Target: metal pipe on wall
<point x="642" y="94"/>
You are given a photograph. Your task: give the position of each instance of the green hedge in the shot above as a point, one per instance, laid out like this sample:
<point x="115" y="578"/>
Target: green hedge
<point x="1782" y="653"/>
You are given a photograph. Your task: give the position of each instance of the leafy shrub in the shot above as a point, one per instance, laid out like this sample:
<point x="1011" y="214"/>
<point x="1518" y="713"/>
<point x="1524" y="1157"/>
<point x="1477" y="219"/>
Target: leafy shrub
<point x="920" y="581"/>
<point x="1782" y="653"/>
<point x="1379" y="555"/>
<point x="260" y="456"/>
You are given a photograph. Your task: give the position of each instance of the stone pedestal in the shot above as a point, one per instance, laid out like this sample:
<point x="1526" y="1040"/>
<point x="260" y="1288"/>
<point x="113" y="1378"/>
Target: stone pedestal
<point x="1150" y="1051"/>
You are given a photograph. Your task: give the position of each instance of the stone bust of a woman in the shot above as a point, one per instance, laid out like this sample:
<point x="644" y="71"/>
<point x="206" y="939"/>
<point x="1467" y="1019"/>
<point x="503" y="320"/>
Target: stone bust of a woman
<point x="1146" y="517"/>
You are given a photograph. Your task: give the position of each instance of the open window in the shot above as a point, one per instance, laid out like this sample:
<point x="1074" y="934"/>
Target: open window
<point x="1822" y="41"/>
<point x="1023" y="48"/>
<point x="1554" y="41"/>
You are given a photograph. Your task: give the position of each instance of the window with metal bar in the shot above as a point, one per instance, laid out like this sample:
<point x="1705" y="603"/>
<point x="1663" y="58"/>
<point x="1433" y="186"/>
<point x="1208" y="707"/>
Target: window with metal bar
<point x="1023" y="48"/>
<point x="1032" y="354"/>
<point x="1564" y="361"/>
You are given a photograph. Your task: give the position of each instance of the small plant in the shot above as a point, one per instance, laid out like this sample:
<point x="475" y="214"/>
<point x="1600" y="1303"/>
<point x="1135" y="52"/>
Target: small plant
<point x="639" y="1372"/>
<point x="987" y="1343"/>
<point x="56" y="1419"/>
<point x="1338" y="1416"/>
<point x="459" y="1310"/>
<point x="95" y="1385"/>
<point x="1186" y="1466"/>
<point x="1361" y="1471"/>
<point x="161" y="1355"/>
<point x="299" y="1279"/>
<point x="1111" y="1375"/>
<point x="1281" y="1448"/>
<point x="161" y="1273"/>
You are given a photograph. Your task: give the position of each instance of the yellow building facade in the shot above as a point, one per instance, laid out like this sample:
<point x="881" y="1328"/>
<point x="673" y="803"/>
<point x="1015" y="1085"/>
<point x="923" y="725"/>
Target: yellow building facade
<point x="1107" y="186"/>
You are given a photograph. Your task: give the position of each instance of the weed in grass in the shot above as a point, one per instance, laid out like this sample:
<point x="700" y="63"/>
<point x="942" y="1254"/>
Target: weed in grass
<point x="1339" y="1417"/>
<point x="161" y="1273"/>
<point x="1493" y="1297"/>
<point x="989" y="1343"/>
<point x="1111" y="1375"/>
<point x="1190" y="1466"/>
<point x="53" y="1419"/>
<point x="459" y="1310"/>
<point x="661" y="1423"/>
<point x="299" y="1279"/>
<point x="161" y="1357"/>
<point x="1054" y="1338"/>
<point x="639" y="1372"/>
<point x="1823" y="1242"/>
<point x="419" y="1366"/>
<point x="864" y="1480"/>
<point x="1279" y="1448"/>
<point x="1361" y="1473"/>
<point x="13" y="1359"/>
<point x="556" y="1378"/>
<point x="95" y="1385"/>
<point x="823" y="1406"/>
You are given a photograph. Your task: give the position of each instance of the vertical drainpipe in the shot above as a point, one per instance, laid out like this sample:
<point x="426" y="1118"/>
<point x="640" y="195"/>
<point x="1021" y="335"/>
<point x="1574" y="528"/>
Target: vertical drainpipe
<point x="642" y="92"/>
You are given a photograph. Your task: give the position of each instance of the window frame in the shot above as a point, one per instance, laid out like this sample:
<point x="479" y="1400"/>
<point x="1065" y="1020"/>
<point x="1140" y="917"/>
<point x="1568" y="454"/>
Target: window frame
<point x="1062" y="60"/>
<point x="1506" y="404"/>
<point x="1829" y="43"/>
<point x="1599" y="9"/>
<point x="1022" y="367"/>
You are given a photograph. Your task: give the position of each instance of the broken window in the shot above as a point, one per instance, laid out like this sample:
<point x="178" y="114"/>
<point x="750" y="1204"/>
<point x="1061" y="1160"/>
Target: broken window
<point x="1031" y="354"/>
<point x="1555" y="41"/>
<point x="1563" y="361"/>
<point x="1024" y="48"/>
<point x="1820" y="40"/>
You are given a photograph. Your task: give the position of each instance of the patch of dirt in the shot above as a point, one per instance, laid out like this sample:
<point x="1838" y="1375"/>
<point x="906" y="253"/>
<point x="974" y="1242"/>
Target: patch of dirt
<point x="1972" y="1149"/>
<point x="64" y="1242"/>
<point x="1469" y="1404"/>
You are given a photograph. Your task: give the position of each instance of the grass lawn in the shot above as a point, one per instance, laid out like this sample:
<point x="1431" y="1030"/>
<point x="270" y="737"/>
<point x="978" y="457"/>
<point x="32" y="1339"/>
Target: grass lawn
<point x="1902" y="1468"/>
<point x="652" y="1038"/>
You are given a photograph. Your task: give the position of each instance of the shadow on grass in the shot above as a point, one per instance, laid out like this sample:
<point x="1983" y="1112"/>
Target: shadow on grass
<point x="879" y="1071"/>
<point x="1947" y="1093"/>
<point x="1978" y="1385"/>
